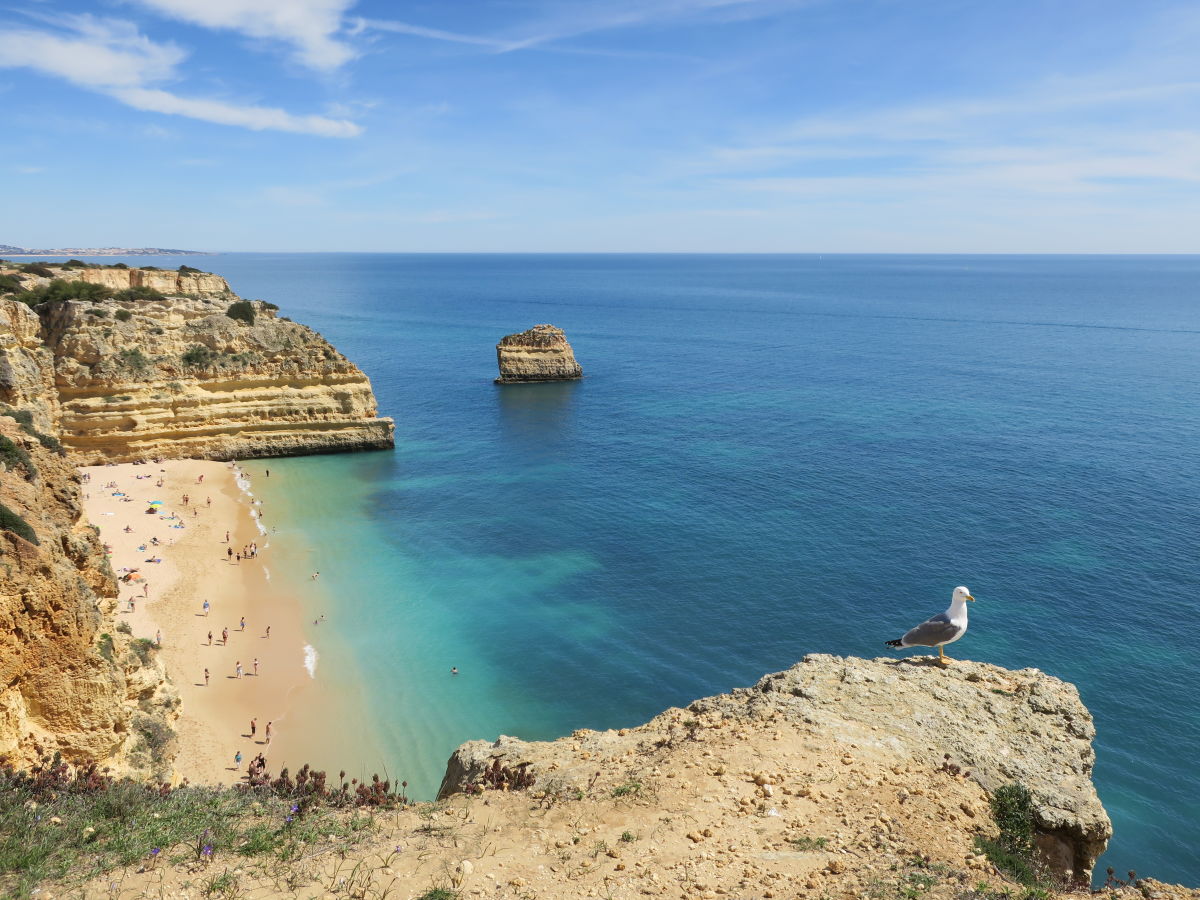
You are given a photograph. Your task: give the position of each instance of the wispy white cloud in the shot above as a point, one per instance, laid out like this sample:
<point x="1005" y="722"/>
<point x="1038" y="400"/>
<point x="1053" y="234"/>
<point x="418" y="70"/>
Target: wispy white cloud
<point x="256" y="118"/>
<point x="310" y="27"/>
<point x="577" y="20"/>
<point x="114" y="58"/>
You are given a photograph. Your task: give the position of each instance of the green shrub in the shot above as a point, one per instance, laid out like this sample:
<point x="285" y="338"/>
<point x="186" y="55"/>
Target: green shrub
<point x="12" y="454"/>
<point x="10" y="521"/>
<point x="118" y="266"/>
<point x="188" y="270"/>
<point x="242" y="310"/>
<point x="133" y="358"/>
<point x="123" y="315"/>
<point x="10" y="284"/>
<point x="143" y="649"/>
<point x="78" y="264"/>
<point x="106" y="646"/>
<point x="97" y="312"/>
<point x="24" y="418"/>
<point x="139" y="293"/>
<point x="1013" y="850"/>
<point x="39" y="269"/>
<point x="271" y="306"/>
<point x="124" y="628"/>
<point x="66" y="290"/>
<point x="198" y="357"/>
<point x="151" y="269"/>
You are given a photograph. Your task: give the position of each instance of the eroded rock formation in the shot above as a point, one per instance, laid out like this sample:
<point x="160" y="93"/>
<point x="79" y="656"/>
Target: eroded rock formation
<point x="70" y="682"/>
<point x="132" y="375"/>
<point x="176" y="375"/>
<point x="998" y="725"/>
<point x="539" y="354"/>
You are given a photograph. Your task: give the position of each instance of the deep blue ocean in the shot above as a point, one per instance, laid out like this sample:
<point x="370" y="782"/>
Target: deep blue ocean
<point x="769" y="456"/>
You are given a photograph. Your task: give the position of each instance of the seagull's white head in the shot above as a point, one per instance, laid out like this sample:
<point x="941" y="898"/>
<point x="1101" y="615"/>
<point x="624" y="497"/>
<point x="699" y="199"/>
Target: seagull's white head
<point x="962" y="593"/>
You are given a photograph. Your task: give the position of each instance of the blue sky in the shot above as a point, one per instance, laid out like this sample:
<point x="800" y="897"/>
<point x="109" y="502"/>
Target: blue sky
<point x="603" y="125"/>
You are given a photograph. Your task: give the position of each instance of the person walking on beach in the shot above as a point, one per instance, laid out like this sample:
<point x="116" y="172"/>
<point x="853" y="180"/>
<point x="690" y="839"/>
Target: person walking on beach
<point x="227" y="537"/>
<point x="210" y="637"/>
<point x="206" y="677"/>
<point x="158" y="637"/>
<point x="238" y="669"/>
<point x="229" y="553"/>
<point x="256" y="667"/>
<point x="146" y="589"/>
<point x="237" y="760"/>
<point x="243" y="628"/>
<point x="206" y="606"/>
<point x="267" y="734"/>
<point x="224" y="636"/>
<point x="268" y="632"/>
<point x="132" y="607"/>
<point x="253" y="727"/>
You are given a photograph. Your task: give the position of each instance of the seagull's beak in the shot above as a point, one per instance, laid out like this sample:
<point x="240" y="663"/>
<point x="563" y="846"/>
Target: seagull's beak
<point x="969" y="597"/>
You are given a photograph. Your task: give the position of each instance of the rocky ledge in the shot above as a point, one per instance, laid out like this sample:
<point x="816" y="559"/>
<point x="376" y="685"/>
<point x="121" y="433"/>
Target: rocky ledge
<point x="539" y="354"/>
<point x="925" y="742"/>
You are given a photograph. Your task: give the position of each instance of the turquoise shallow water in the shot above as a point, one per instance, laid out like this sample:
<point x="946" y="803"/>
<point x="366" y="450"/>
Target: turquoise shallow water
<point x="770" y="456"/>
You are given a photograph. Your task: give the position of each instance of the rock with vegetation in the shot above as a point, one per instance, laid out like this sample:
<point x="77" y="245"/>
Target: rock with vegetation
<point x="828" y="780"/>
<point x="998" y="726"/>
<point x="70" y="682"/>
<point x="135" y="363"/>
<point x="539" y="354"/>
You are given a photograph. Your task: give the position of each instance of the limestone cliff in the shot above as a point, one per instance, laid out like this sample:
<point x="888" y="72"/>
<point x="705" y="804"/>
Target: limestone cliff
<point x="70" y="682"/>
<point x="152" y="363"/>
<point x="838" y="779"/>
<point x="539" y="354"/>
<point x="997" y="725"/>
<point x="138" y="374"/>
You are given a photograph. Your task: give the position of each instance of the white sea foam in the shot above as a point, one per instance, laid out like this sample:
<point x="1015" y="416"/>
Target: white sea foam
<point x="267" y="572"/>
<point x="310" y="660"/>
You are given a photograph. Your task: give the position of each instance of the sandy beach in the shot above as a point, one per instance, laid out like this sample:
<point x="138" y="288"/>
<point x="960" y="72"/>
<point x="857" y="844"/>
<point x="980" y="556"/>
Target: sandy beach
<point x="194" y="561"/>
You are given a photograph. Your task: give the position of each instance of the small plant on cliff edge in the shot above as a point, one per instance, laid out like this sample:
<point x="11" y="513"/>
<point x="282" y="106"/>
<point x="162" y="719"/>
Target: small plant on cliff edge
<point x="10" y="521"/>
<point x="12" y="454"/>
<point x="65" y="290"/>
<point x="10" y="284"/>
<point x="139" y="293"/>
<point x="242" y="310"/>
<point x="1013" y="850"/>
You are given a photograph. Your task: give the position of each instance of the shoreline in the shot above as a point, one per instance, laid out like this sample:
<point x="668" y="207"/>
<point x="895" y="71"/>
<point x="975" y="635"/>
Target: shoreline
<point x="195" y="565"/>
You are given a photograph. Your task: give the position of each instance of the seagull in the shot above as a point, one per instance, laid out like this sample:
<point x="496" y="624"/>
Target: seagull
<point x="942" y="629"/>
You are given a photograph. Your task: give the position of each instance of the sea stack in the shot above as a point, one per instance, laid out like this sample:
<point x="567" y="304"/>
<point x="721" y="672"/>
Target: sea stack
<point x="539" y="354"/>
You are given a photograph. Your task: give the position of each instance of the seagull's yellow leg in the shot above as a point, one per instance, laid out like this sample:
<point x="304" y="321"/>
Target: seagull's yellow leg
<point x="943" y="659"/>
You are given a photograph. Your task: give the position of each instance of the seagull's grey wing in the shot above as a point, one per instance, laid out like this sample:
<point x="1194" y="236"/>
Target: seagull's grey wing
<point x="931" y="632"/>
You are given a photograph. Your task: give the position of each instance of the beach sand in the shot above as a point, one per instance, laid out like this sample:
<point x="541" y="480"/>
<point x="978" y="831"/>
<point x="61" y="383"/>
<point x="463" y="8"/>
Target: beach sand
<point x="169" y="594"/>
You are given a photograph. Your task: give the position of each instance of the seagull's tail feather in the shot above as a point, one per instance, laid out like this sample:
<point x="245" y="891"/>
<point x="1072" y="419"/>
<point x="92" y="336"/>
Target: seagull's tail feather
<point x="896" y="643"/>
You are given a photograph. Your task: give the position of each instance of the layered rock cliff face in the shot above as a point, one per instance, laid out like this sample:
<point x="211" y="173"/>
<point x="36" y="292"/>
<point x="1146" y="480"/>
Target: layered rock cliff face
<point x="997" y="725"/>
<point x="70" y="682"/>
<point x="178" y="376"/>
<point x="126" y="377"/>
<point x="539" y="354"/>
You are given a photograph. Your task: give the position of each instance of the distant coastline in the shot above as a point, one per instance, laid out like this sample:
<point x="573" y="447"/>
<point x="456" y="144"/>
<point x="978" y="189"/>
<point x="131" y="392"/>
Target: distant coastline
<point x="9" y="250"/>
